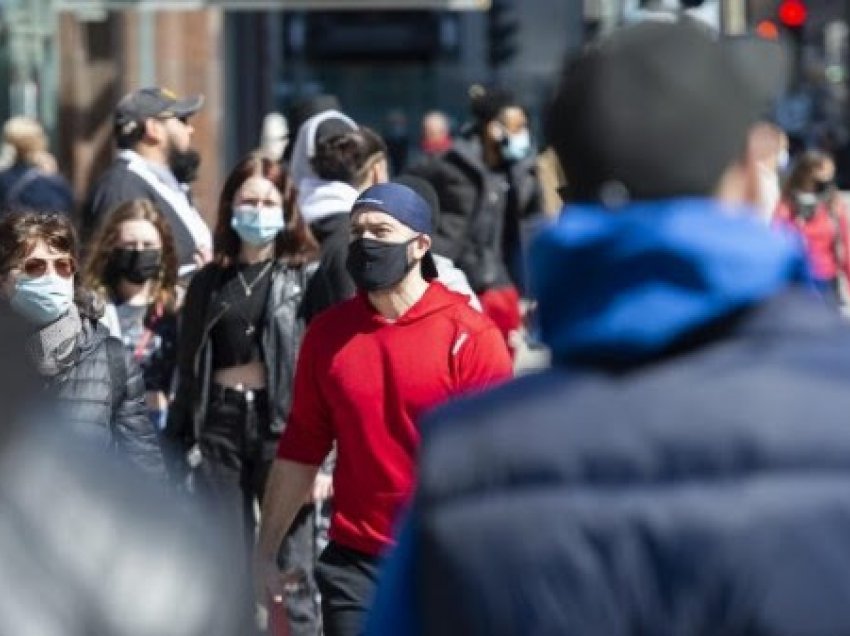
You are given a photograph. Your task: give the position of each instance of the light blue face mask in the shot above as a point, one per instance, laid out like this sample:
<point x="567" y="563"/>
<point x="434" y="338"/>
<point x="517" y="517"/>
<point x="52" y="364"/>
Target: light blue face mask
<point x="257" y="225"/>
<point x="517" y="146"/>
<point x="44" y="299"/>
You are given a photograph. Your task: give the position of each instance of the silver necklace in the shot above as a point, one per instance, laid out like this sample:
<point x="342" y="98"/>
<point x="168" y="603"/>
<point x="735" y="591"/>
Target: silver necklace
<point x="256" y="280"/>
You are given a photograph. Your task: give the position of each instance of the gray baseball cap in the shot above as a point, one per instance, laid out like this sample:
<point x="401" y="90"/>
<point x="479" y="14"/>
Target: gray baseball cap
<point x="145" y="103"/>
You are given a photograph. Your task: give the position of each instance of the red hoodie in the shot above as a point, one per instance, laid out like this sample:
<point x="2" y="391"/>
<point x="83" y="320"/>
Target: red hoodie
<point x="363" y="381"/>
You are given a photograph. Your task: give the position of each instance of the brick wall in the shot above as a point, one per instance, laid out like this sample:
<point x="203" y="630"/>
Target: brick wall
<point x="99" y="62"/>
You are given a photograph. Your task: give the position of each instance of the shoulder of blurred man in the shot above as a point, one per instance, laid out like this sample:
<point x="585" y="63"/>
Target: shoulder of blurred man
<point x="704" y="416"/>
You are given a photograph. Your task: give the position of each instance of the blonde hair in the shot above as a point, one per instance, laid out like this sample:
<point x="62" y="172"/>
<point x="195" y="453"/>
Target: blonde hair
<point x="26" y="136"/>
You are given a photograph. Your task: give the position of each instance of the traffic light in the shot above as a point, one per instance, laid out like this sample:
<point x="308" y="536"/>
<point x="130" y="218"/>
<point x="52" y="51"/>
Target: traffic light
<point x="792" y="15"/>
<point x="502" y="30"/>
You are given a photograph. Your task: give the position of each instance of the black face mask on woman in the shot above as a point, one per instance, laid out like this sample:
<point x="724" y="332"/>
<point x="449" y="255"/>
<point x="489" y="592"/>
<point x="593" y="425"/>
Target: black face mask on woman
<point x="376" y="265"/>
<point x="137" y="266"/>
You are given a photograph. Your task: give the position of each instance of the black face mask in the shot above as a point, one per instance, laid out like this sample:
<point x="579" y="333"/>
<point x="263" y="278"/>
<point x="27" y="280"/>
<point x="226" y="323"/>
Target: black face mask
<point x="184" y="164"/>
<point x="136" y="266"/>
<point x="823" y="188"/>
<point x="376" y="265"/>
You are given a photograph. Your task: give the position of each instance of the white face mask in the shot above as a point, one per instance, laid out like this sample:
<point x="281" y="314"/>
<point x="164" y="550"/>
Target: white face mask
<point x="783" y="160"/>
<point x="257" y="225"/>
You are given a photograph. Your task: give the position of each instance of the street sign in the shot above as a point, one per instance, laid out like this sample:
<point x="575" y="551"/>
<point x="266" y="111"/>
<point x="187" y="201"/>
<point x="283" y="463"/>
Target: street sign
<point x="285" y="5"/>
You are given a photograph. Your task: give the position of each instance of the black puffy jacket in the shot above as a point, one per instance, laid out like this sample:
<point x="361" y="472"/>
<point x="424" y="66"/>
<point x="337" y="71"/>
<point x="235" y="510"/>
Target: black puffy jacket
<point x="283" y="330"/>
<point x="84" y="395"/>
<point x="480" y="210"/>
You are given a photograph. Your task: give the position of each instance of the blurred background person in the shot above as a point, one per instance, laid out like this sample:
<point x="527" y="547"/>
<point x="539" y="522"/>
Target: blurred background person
<point x="32" y="182"/>
<point x="87" y="373"/>
<point x="132" y="266"/>
<point x="274" y="136"/>
<point x="487" y="185"/>
<point x="769" y="145"/>
<point x="242" y="326"/>
<point x="436" y="133"/>
<point x="396" y="136"/>
<point x="333" y="161"/>
<point x="155" y="161"/>
<point x="812" y="205"/>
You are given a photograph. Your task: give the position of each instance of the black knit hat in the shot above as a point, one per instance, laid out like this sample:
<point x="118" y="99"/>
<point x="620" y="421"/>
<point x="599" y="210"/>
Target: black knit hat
<point x="660" y="110"/>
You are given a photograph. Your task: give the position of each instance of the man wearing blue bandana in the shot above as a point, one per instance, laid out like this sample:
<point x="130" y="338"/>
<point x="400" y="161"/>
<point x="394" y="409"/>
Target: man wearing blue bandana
<point x="684" y="466"/>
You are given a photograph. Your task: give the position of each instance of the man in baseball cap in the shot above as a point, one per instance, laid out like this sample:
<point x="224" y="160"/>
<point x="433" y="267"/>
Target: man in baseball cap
<point x="367" y="369"/>
<point x="156" y="162"/>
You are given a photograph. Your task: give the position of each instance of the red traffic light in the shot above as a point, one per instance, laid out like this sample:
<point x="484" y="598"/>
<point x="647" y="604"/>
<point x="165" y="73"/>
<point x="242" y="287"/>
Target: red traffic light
<point x="793" y="13"/>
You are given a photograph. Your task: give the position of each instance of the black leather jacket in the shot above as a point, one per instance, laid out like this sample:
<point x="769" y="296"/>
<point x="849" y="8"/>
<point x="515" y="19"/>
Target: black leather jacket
<point x="480" y="210"/>
<point x="281" y="338"/>
<point x="84" y="396"/>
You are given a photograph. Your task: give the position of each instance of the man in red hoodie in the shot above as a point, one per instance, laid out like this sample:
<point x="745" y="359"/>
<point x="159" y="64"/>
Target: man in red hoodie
<point x="368" y="368"/>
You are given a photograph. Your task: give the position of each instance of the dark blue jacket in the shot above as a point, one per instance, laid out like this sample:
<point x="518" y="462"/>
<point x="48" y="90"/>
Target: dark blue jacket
<point x="694" y="484"/>
<point x="24" y="187"/>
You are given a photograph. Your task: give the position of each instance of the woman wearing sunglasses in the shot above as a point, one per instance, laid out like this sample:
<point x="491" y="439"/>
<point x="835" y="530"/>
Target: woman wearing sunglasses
<point x="99" y="392"/>
<point x="241" y="327"/>
<point x="132" y="265"/>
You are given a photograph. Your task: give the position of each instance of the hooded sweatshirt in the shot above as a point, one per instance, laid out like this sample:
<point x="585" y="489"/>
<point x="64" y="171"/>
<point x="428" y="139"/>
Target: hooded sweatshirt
<point x="364" y="381"/>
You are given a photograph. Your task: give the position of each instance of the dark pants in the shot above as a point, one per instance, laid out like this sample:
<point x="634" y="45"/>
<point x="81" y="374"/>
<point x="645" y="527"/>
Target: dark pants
<point x="347" y="581"/>
<point x="238" y="449"/>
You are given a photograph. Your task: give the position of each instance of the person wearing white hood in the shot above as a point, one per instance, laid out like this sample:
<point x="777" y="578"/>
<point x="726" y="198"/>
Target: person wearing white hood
<point x="332" y="162"/>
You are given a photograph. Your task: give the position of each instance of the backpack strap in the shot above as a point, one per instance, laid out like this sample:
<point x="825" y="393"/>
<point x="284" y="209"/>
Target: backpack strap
<point x="117" y="372"/>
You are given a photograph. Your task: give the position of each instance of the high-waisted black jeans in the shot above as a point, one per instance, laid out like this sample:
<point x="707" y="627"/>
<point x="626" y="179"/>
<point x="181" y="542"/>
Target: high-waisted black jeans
<point x="238" y="449"/>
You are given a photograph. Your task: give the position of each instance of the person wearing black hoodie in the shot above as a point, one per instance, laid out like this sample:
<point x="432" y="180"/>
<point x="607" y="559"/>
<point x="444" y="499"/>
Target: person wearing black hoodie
<point x="684" y="466"/>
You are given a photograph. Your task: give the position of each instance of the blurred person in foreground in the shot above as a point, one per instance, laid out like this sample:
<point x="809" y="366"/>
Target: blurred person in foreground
<point x="684" y="466"/>
<point x="487" y="184"/>
<point x="155" y="161"/>
<point x="241" y="329"/>
<point x="32" y="182"/>
<point x="812" y="205"/>
<point x="132" y="267"/>
<point x="87" y="546"/>
<point x="367" y="369"/>
<point x="84" y="370"/>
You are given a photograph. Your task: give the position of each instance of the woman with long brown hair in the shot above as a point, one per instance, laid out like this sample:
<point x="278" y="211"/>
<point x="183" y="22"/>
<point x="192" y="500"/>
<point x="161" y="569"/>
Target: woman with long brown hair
<point x="132" y="266"/>
<point x="242" y="325"/>
<point x="99" y="392"/>
<point x="812" y="205"/>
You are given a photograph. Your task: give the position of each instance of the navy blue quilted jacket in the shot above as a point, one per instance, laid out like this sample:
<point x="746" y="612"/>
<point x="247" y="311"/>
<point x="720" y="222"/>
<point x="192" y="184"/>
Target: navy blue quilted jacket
<point x="682" y="470"/>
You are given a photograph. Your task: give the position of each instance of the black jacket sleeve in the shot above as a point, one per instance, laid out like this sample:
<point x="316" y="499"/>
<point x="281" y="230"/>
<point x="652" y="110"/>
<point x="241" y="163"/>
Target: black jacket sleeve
<point x="133" y="431"/>
<point x="178" y="434"/>
<point x="116" y="187"/>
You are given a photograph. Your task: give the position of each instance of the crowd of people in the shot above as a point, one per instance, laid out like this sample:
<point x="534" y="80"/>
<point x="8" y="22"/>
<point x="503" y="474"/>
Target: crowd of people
<point x="324" y="372"/>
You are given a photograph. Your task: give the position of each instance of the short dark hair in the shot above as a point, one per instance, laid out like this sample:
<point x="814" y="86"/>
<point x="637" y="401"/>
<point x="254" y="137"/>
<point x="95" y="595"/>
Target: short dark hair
<point x="127" y="137"/>
<point x="349" y="156"/>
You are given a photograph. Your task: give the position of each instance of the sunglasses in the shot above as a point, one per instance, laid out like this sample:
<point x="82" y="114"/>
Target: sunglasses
<point x="64" y="266"/>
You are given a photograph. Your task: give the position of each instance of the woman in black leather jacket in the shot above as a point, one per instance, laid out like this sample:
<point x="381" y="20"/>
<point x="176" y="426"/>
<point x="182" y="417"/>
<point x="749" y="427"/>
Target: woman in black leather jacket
<point x="241" y="327"/>
<point x="98" y="390"/>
